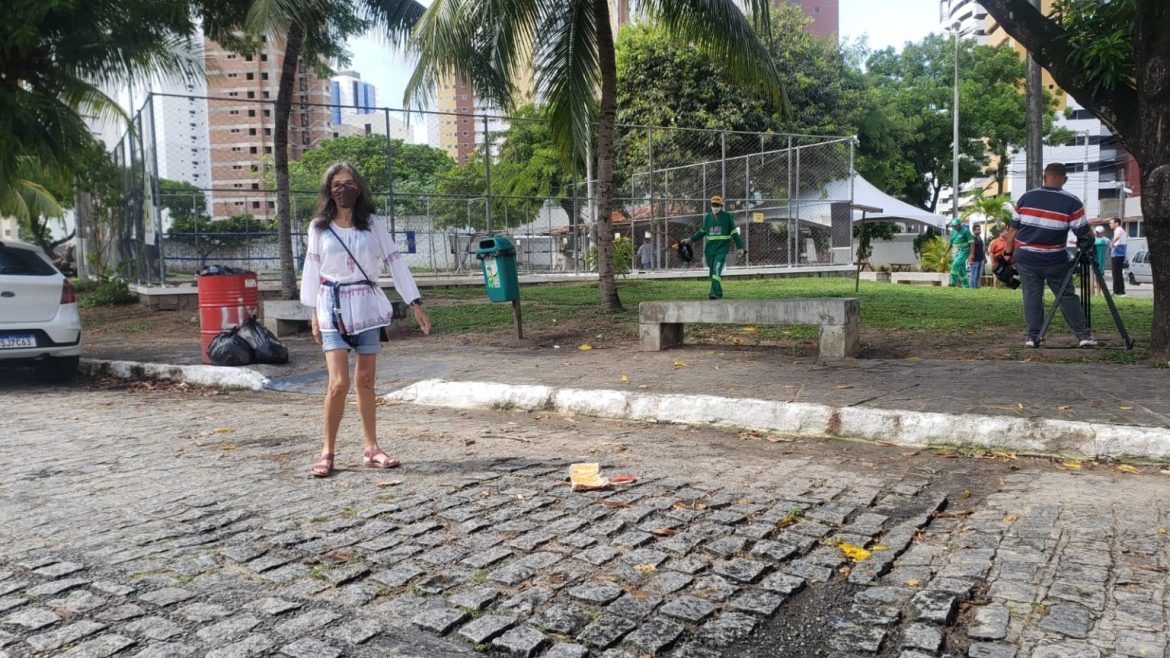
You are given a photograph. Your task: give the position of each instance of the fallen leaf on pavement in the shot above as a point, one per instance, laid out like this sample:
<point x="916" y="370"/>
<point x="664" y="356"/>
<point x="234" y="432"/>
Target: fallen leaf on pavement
<point x="227" y="446"/>
<point x="1126" y="407"/>
<point x="853" y="552"/>
<point x="615" y="504"/>
<point x="643" y="386"/>
<point x="388" y="483"/>
<point x="1011" y="518"/>
<point x="679" y="364"/>
<point x="999" y="454"/>
<point x="625" y="379"/>
<point x="663" y="532"/>
<point x="222" y="430"/>
<point x="844" y="386"/>
<point x="913" y="582"/>
<point x="1072" y="463"/>
<point x="585" y="347"/>
<point x="1126" y="468"/>
<point x="646" y="568"/>
<point x="1064" y="407"/>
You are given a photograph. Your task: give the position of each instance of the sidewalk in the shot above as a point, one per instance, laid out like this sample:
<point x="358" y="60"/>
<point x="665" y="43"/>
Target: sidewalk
<point x="1094" y="410"/>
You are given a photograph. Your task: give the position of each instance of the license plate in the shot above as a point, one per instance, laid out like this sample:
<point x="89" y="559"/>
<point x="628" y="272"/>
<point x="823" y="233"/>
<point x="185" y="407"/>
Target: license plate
<point x="18" y="341"/>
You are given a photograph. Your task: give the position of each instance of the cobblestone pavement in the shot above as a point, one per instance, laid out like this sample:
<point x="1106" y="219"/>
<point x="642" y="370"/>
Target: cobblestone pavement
<point x="141" y="522"/>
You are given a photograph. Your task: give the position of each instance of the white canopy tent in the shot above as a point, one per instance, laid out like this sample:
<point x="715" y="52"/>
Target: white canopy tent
<point x="865" y="193"/>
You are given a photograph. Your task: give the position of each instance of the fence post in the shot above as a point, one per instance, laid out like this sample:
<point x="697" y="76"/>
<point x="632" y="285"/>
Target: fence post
<point x="155" y="191"/>
<point x="788" y="238"/>
<point x="650" y="159"/>
<point x="487" y="173"/>
<point x="852" y="253"/>
<point x="747" y="213"/>
<point x="389" y="171"/>
<point x="575" y="220"/>
<point x="796" y="234"/>
<point x="723" y="164"/>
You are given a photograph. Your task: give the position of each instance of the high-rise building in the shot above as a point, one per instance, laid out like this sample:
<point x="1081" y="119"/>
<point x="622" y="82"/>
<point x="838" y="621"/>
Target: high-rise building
<point x="967" y="15"/>
<point x="351" y="97"/>
<point x="243" y="89"/>
<point x="825" y="15"/>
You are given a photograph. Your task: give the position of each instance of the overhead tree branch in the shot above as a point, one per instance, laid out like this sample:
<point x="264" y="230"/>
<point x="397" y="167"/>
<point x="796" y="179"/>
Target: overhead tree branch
<point x="1047" y="42"/>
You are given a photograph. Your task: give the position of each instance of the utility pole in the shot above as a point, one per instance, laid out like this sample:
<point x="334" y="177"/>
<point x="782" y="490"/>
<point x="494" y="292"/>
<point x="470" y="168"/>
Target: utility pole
<point x="1034" y="121"/>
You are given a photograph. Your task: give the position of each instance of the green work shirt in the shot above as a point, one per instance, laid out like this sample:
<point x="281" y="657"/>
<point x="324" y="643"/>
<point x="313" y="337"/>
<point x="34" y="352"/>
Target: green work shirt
<point x="961" y="239"/>
<point x="719" y="231"/>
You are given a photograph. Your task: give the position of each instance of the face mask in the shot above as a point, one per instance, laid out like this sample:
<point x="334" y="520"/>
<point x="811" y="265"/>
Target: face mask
<point x="716" y="209"/>
<point x="345" y="195"/>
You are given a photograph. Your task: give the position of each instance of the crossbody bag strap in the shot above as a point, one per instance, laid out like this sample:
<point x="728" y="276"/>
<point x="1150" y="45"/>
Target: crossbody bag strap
<point x="352" y="257"/>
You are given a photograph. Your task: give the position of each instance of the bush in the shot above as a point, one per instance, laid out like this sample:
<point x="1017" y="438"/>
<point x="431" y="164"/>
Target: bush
<point x="924" y="237"/>
<point x="110" y="292"/>
<point x="623" y="255"/>
<point x="84" y="285"/>
<point x="936" y="255"/>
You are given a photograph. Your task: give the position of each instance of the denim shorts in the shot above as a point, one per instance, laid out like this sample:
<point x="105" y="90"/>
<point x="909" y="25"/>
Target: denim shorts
<point x="367" y="342"/>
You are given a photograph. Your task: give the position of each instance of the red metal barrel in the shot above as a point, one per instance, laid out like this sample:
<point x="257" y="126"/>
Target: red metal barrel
<point x="225" y="301"/>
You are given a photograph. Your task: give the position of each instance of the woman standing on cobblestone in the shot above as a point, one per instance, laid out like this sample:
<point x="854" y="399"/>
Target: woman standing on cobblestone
<point x="347" y="245"/>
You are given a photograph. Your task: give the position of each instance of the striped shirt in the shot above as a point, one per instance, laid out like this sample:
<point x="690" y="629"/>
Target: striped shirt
<point x="1043" y="218"/>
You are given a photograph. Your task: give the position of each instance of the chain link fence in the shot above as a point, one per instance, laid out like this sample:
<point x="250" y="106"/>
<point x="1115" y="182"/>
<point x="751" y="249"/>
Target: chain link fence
<point x="200" y="188"/>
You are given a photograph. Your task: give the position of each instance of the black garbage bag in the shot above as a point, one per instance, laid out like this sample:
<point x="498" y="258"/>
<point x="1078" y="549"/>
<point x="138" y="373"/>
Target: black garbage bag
<point x="216" y="270"/>
<point x="228" y="348"/>
<point x="266" y="347"/>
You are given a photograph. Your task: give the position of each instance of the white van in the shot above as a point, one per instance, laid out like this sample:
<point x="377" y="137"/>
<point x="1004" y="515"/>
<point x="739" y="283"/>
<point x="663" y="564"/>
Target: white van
<point x="1139" y="268"/>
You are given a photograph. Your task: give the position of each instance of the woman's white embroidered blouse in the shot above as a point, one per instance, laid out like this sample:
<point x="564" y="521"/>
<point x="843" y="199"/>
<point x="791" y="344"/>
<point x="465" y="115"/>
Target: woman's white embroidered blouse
<point x="362" y="307"/>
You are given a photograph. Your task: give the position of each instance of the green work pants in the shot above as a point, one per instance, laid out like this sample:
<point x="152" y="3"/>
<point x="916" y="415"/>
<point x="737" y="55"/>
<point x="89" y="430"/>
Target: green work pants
<point x="959" y="277"/>
<point x="715" y="263"/>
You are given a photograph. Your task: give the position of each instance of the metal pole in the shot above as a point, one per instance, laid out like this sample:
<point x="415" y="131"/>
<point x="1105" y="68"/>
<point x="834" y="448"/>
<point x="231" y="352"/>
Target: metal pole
<point x="788" y="238"/>
<point x="1085" y="174"/>
<point x="722" y="163"/>
<point x="796" y="233"/>
<point x="747" y="195"/>
<point x="575" y="220"/>
<point x="955" y="137"/>
<point x="389" y="172"/>
<point x="1034" y="119"/>
<point x="650" y="164"/>
<point x="852" y="252"/>
<point x="487" y="174"/>
<point x="156" y="191"/>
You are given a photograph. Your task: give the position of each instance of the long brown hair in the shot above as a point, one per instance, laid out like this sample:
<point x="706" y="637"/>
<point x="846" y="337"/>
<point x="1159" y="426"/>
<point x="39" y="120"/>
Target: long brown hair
<point x="327" y="207"/>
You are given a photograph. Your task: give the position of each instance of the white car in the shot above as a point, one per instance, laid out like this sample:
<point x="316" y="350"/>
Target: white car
<point x="39" y="323"/>
<point x="1139" y="268"/>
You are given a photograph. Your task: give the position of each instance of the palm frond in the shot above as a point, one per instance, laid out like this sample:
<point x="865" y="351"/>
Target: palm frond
<point x="391" y="19"/>
<point x="485" y="43"/>
<point x="731" y="35"/>
<point x="568" y="73"/>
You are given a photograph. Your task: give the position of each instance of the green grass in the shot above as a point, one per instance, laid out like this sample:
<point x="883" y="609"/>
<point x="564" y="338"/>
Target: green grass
<point x="884" y="306"/>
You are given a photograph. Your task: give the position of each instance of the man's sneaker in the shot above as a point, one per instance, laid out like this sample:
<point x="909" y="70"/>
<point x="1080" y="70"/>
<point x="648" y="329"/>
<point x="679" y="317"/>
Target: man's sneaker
<point x="1087" y="342"/>
<point x="1030" y="342"/>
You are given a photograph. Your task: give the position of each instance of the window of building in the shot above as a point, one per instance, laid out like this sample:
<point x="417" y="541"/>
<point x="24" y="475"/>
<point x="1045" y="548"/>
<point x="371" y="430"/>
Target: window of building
<point x="271" y="204"/>
<point x="247" y="58"/>
<point x="251" y="131"/>
<point x="250" y="76"/>
<point x="233" y="75"/>
<point x="255" y="168"/>
<point x="263" y="57"/>
<point x="233" y="93"/>
<point x="252" y="149"/>
<point x="268" y="149"/>
<point x="255" y="186"/>
<point x="265" y="94"/>
<point x="251" y="113"/>
<point x="251" y="94"/>
<point x="267" y="131"/>
<point x="236" y="149"/>
<point x="234" y="130"/>
<point x="267" y="113"/>
<point x="237" y="166"/>
<point x="256" y="205"/>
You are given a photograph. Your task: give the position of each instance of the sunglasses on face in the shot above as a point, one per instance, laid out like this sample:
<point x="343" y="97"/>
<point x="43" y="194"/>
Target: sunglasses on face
<point x="347" y="185"/>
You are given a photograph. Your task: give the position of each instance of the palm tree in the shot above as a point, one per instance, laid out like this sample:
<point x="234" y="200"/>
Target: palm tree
<point x="995" y="210"/>
<point x="312" y="32"/>
<point x="571" y="44"/>
<point x="56" y="60"/>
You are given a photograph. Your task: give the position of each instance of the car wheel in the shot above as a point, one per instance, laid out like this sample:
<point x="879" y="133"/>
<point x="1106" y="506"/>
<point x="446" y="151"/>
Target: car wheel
<point x="1132" y="279"/>
<point x="58" y="370"/>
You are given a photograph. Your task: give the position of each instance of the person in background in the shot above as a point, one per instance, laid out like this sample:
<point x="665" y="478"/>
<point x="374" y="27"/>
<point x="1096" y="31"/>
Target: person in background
<point x="719" y="230"/>
<point x="1117" y="256"/>
<point x="961" y="242"/>
<point x="1036" y="244"/>
<point x="348" y="247"/>
<point x="645" y="251"/>
<point x="1100" y="252"/>
<point x="978" y="257"/>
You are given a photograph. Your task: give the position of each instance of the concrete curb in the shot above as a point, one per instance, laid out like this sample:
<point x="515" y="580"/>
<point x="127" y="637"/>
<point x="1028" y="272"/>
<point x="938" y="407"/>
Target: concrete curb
<point x="905" y="428"/>
<point x="199" y="375"/>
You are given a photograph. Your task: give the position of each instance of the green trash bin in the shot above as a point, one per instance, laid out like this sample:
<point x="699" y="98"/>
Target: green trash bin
<point x="497" y="258"/>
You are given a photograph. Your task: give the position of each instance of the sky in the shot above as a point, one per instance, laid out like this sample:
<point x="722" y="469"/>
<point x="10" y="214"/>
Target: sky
<point x="883" y="23"/>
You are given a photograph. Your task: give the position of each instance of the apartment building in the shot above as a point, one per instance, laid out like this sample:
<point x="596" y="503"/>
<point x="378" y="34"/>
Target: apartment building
<point x="825" y="15"/>
<point x="242" y="90"/>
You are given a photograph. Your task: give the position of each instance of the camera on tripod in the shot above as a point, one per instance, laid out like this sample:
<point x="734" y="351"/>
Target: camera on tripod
<point x="1006" y="273"/>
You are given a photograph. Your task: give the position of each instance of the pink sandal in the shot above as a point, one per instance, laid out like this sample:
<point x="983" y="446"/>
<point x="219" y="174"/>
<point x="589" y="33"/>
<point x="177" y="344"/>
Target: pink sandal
<point x="324" y="466"/>
<point x="379" y="459"/>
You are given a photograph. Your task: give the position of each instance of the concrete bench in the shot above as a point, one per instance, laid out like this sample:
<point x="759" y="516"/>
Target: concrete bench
<point x="284" y="317"/>
<point x="661" y="323"/>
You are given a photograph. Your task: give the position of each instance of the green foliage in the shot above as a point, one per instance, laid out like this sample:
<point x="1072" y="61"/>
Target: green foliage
<point x="994" y="209"/>
<point x="110" y="292"/>
<point x="181" y="199"/>
<point x="233" y="231"/>
<point x="623" y="255"/>
<point x="417" y="168"/>
<point x="1100" y="36"/>
<point x="922" y="238"/>
<point x="869" y="231"/>
<point x="936" y="255"/>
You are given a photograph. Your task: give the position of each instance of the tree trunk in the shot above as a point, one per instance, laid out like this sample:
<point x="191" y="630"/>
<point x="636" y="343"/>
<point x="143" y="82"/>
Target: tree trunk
<point x="606" y="128"/>
<point x="83" y="220"/>
<point x="1152" y="43"/>
<point x="288" y="73"/>
<point x="1034" y="120"/>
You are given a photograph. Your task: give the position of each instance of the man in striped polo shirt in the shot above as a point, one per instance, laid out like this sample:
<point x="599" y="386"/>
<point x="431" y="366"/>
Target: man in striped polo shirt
<point x="1036" y="244"/>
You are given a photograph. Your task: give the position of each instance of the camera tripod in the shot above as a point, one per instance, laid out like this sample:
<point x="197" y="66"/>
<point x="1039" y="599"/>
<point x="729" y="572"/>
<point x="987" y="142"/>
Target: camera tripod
<point x="1087" y="266"/>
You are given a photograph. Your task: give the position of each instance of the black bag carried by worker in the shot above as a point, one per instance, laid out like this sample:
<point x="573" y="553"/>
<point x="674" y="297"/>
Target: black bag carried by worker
<point x="266" y="347"/>
<point x="228" y="348"/>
